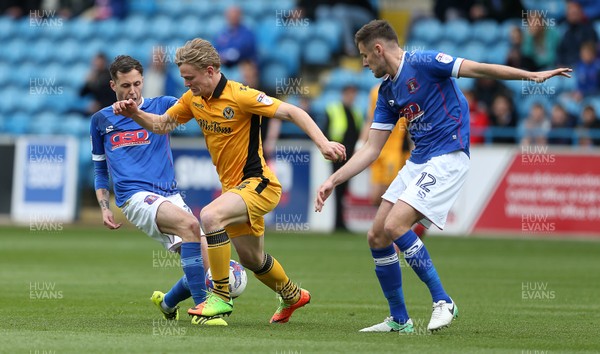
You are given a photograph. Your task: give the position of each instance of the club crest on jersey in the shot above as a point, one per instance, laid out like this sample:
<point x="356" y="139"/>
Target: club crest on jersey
<point x="129" y="138"/>
<point x="228" y="112"/>
<point x="263" y="98"/>
<point x="150" y="199"/>
<point x="412" y="85"/>
<point x="391" y="103"/>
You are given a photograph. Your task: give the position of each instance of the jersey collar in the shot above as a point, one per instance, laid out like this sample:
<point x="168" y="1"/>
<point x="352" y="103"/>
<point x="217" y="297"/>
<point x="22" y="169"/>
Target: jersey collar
<point x="220" y="87"/>
<point x="399" y="67"/>
<point x="142" y="104"/>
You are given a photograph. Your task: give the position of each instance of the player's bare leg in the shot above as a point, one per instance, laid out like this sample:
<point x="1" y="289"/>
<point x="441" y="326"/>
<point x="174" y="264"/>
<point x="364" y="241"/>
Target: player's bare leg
<point x="228" y="209"/>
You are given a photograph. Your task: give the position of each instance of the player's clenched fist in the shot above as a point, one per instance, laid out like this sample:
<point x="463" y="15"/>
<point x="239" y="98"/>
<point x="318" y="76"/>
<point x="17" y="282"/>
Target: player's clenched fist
<point x="126" y="108"/>
<point x="334" y="151"/>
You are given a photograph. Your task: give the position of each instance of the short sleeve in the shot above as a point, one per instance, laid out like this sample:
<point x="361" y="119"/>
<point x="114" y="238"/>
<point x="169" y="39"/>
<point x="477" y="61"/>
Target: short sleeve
<point x="384" y="117"/>
<point x="256" y="102"/>
<point x="438" y="64"/>
<point x="181" y="111"/>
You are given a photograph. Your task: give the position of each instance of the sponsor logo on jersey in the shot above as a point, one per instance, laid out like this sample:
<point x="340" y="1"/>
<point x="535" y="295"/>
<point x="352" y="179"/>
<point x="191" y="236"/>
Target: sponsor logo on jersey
<point x="228" y="112"/>
<point x="411" y="112"/>
<point x="129" y="138"/>
<point x="213" y="127"/>
<point x="199" y="105"/>
<point x="443" y="58"/>
<point x="263" y="98"/>
<point x="413" y="85"/>
<point x="150" y="198"/>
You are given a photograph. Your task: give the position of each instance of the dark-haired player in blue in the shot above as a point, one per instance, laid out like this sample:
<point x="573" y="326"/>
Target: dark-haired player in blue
<point x="140" y="164"/>
<point x="421" y="87"/>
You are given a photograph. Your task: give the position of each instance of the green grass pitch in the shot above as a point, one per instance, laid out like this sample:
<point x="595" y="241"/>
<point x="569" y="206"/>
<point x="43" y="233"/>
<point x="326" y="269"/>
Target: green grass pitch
<point x="86" y="290"/>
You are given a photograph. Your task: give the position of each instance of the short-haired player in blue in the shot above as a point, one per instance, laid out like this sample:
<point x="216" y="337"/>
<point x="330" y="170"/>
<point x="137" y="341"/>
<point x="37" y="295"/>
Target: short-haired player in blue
<point x="421" y="87"/>
<point x="140" y="164"/>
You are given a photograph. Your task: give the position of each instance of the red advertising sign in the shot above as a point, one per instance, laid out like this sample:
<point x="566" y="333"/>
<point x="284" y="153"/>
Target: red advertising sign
<point x="545" y="193"/>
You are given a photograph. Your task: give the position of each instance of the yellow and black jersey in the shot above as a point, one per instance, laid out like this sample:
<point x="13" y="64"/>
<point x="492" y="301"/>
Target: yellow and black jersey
<point x="230" y="120"/>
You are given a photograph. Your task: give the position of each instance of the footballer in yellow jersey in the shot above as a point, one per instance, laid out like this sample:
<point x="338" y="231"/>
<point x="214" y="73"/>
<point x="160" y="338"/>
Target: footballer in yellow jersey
<point x="230" y="115"/>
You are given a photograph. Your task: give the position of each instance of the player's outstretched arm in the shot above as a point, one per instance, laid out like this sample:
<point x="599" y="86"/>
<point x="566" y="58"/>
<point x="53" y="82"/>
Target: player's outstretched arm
<point x="331" y="150"/>
<point x="477" y="70"/>
<point x="159" y="124"/>
<point x="361" y="159"/>
<point x="108" y="218"/>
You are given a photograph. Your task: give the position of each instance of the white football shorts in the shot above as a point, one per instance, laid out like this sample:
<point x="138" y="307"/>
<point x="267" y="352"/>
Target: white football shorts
<point x="432" y="187"/>
<point x="141" y="210"/>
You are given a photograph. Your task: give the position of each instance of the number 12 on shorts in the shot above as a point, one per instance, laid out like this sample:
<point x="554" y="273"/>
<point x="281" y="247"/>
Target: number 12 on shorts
<point x="426" y="180"/>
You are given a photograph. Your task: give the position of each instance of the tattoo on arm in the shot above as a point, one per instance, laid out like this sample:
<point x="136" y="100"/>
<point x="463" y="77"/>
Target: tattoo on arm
<point x="103" y="200"/>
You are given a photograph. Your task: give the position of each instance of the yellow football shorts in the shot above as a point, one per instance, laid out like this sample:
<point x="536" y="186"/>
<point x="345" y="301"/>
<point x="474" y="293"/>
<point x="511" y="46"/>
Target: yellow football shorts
<point x="261" y="196"/>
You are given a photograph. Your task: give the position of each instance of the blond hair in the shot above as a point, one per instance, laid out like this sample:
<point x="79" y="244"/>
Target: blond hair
<point x="199" y="53"/>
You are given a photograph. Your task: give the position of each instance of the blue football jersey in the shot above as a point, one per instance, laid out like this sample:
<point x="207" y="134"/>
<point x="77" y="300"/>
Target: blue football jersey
<point x="138" y="160"/>
<point x="425" y="92"/>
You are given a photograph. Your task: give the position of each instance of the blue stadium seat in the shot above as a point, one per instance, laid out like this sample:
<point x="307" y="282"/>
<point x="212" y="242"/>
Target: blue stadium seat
<point x="300" y="34"/>
<point x="82" y="29"/>
<point x="147" y="8"/>
<point x="91" y="48"/>
<point x="498" y="53"/>
<point x="366" y="80"/>
<point x="288" y="53"/>
<point x="338" y="78"/>
<point x="447" y="47"/>
<point x="267" y="35"/>
<point x="15" y="51"/>
<point x="465" y="83"/>
<point x="330" y="31"/>
<point x="161" y="28"/>
<point x="189" y="27"/>
<point x="109" y="29"/>
<point x="486" y="31"/>
<point x="41" y="51"/>
<point x="45" y="123"/>
<point x="214" y="26"/>
<point x="458" y="31"/>
<point x="571" y="106"/>
<point x="135" y="27"/>
<point x="173" y="9"/>
<point x="473" y="51"/>
<point x="16" y="123"/>
<point x="7" y="28"/>
<point x="271" y="72"/>
<point x="317" y="52"/>
<point x="67" y="52"/>
<point x="427" y="30"/>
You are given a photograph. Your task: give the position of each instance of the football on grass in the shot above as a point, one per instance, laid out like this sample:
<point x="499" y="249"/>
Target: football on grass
<point x="237" y="279"/>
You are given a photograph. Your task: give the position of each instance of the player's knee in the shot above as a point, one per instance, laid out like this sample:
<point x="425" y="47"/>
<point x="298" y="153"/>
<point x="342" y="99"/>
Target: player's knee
<point x="210" y="220"/>
<point x="393" y="228"/>
<point x="376" y="239"/>
<point x="190" y="229"/>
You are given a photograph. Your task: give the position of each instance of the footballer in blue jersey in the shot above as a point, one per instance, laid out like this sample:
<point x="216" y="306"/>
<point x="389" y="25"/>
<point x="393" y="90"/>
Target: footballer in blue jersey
<point x="421" y="87"/>
<point x="140" y="164"/>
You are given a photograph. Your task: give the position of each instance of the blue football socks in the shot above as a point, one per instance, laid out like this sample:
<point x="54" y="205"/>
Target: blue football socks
<point x="417" y="257"/>
<point x="191" y="262"/>
<point x="387" y="268"/>
<point x="179" y="292"/>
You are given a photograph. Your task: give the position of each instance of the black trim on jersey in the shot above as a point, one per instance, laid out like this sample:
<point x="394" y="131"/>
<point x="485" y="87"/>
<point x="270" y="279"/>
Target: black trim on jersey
<point x="262" y="185"/>
<point x="253" y="167"/>
<point x="220" y="87"/>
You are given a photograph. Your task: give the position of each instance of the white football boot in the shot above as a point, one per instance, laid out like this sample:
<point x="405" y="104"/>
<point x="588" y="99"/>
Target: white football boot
<point x="442" y="315"/>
